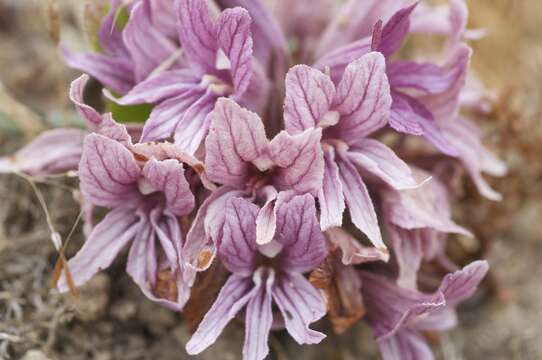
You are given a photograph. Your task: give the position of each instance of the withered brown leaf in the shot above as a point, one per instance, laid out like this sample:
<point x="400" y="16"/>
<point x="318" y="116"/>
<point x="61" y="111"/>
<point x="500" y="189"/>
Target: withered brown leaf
<point x="342" y="288"/>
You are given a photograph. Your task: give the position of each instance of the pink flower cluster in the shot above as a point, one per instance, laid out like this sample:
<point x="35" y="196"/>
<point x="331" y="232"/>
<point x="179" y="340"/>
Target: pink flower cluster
<point x="277" y="146"/>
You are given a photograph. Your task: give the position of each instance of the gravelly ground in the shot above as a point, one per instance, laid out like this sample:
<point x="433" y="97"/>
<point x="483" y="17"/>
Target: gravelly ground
<point x="112" y="320"/>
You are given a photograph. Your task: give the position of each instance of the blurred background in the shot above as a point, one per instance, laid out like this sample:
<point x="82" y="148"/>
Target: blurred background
<point x="110" y="319"/>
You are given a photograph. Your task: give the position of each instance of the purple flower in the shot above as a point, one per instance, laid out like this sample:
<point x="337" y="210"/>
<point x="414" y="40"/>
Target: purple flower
<point x="131" y="54"/>
<point x="398" y="315"/>
<point x="146" y="197"/>
<point x="417" y="221"/>
<point x="411" y="114"/>
<point x="266" y="275"/>
<point x="59" y="150"/>
<point x="348" y="113"/>
<point x="219" y="57"/>
<point x="241" y="159"/>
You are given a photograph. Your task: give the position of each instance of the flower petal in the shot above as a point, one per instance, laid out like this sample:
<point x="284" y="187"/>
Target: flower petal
<point x="92" y="118"/>
<point x="52" y="152"/>
<point x="363" y="97"/>
<point x="330" y="197"/>
<point x="148" y="47"/>
<point x="402" y="116"/>
<point x="373" y="156"/>
<point x="114" y="73"/>
<point x="304" y="246"/>
<point x="167" y="176"/>
<point x="424" y="207"/>
<point x="465" y="137"/>
<point x="391" y="308"/>
<point x="360" y="205"/>
<point x="199" y="249"/>
<point x="405" y="345"/>
<point x="258" y="321"/>
<point x="234" y="39"/>
<point x="105" y="241"/>
<point x="395" y="31"/>
<point x="108" y="172"/>
<point x="166" y="116"/>
<point x="300" y="305"/>
<point x="237" y="247"/>
<point x="426" y="121"/>
<point x="353" y="252"/>
<point x="444" y="106"/>
<point x="268" y="37"/>
<point x="192" y="129"/>
<point x="309" y="95"/>
<point x="408" y="248"/>
<point x="337" y="60"/>
<point x="235" y="293"/>
<point x="197" y="34"/>
<point x="426" y="77"/>
<point x="161" y="87"/>
<point x="300" y="161"/>
<point x="237" y="138"/>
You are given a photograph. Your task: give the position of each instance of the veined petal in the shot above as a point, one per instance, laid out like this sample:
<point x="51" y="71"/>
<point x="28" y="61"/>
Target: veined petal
<point x="330" y="196"/>
<point x="406" y="344"/>
<point x="236" y="139"/>
<point x="52" y="152"/>
<point x="234" y="39"/>
<point x="105" y="241"/>
<point x="235" y="294"/>
<point x="363" y="98"/>
<point x="194" y="125"/>
<point x="426" y="77"/>
<point x="424" y="207"/>
<point x="391" y="308"/>
<point x="408" y="248"/>
<point x="350" y="23"/>
<point x="108" y="172"/>
<point x="197" y="34"/>
<point x="258" y="321"/>
<point x="109" y="36"/>
<point x="168" y="114"/>
<point x="465" y="137"/>
<point x="199" y="250"/>
<point x="92" y="118"/>
<point x="304" y="246"/>
<point x="148" y="47"/>
<point x="115" y="73"/>
<point x="402" y="116"/>
<point x="300" y="305"/>
<point x="373" y="156"/>
<point x="269" y="37"/>
<point x="338" y="59"/>
<point x="266" y="220"/>
<point x="237" y="247"/>
<point x="445" y="105"/>
<point x="167" y="229"/>
<point x="395" y="31"/>
<point x="142" y="262"/>
<point x="426" y="122"/>
<point x="353" y="252"/>
<point x="359" y="203"/>
<point x="300" y="161"/>
<point x="309" y="95"/>
<point x="161" y="87"/>
<point x="167" y="176"/>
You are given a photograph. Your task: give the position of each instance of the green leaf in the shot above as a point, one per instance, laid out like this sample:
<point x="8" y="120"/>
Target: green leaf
<point x="129" y="113"/>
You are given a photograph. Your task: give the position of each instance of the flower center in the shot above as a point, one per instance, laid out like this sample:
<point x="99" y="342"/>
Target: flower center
<point x="216" y="85"/>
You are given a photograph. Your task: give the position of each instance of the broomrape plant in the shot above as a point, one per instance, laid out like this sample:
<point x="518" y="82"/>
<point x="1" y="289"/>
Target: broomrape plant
<point x="288" y="146"/>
